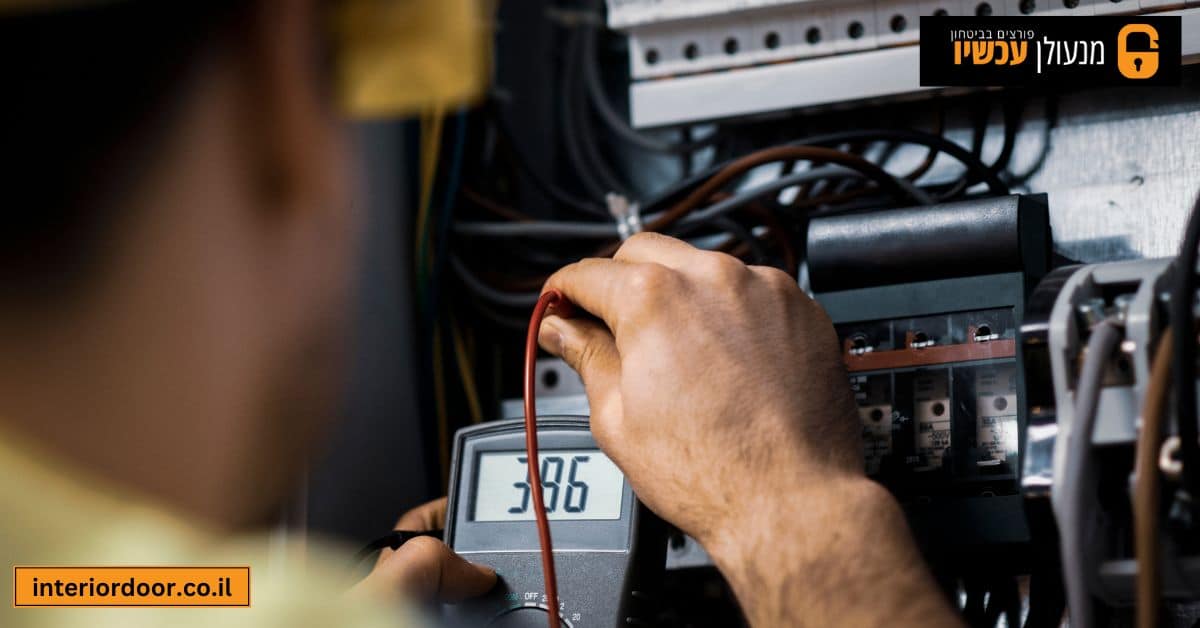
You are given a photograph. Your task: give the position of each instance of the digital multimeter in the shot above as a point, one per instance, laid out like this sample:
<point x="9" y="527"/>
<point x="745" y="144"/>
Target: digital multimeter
<point x="609" y="549"/>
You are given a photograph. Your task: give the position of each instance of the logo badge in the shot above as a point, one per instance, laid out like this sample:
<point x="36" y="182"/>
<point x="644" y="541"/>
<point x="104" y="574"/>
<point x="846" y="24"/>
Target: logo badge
<point x="1063" y="52"/>
<point x="1140" y="64"/>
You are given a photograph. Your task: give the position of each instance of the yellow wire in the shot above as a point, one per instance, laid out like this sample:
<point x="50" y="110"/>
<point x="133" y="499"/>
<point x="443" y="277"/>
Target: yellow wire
<point x="422" y="165"/>
<point x="467" y="374"/>
<point x="439" y="394"/>
<point x="431" y="144"/>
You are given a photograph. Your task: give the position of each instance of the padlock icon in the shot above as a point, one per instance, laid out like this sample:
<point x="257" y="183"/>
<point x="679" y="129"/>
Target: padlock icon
<point x="1140" y="64"/>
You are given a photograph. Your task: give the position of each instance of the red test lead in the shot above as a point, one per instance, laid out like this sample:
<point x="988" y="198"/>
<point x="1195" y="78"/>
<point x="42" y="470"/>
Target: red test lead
<point x="551" y="298"/>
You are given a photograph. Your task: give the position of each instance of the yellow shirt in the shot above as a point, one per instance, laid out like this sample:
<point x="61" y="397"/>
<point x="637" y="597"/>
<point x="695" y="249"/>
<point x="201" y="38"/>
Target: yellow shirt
<point x="51" y="514"/>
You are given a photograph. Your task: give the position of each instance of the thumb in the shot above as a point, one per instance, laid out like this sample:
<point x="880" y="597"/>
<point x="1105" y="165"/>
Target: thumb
<point x="424" y="568"/>
<point x="589" y="348"/>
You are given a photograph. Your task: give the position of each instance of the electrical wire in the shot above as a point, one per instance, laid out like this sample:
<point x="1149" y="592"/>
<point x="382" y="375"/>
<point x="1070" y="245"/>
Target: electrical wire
<point x="564" y="229"/>
<point x="431" y="141"/>
<point x="907" y="136"/>
<point x="1012" y="121"/>
<point x="932" y="154"/>
<point x="594" y="177"/>
<point x="439" y="402"/>
<point x="541" y="183"/>
<point x="974" y="166"/>
<point x="583" y="119"/>
<point x="442" y="230"/>
<point x="555" y="299"/>
<point x="1050" y="117"/>
<point x="738" y="167"/>
<point x="741" y="234"/>
<point x="982" y="114"/>
<point x="1012" y="126"/>
<point x="494" y="207"/>
<point x="1073" y="492"/>
<point x="778" y="232"/>
<point x="740" y="199"/>
<point x="741" y="166"/>
<point x="466" y="372"/>
<point x="481" y="289"/>
<point x="660" y="221"/>
<point x="681" y="201"/>
<point x="1183" y="322"/>
<point x="1146" y="488"/>
<point x="538" y="229"/>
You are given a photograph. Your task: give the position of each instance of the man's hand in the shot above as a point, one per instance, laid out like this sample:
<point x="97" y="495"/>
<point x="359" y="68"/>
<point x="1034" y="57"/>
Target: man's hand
<point x="424" y="568"/>
<point x="719" y="390"/>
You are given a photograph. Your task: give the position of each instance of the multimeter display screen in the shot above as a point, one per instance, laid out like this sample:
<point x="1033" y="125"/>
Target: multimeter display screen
<point x="577" y="485"/>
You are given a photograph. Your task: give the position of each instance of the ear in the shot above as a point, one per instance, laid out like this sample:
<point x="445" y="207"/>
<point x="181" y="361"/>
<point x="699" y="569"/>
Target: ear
<point x="295" y="134"/>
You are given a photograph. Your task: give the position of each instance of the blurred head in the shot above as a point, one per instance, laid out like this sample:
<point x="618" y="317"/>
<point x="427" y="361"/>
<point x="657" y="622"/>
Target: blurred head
<point x="178" y="243"/>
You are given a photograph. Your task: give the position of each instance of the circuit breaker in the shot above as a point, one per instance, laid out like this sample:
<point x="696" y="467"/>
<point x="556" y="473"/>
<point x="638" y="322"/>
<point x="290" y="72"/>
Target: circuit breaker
<point x="928" y="321"/>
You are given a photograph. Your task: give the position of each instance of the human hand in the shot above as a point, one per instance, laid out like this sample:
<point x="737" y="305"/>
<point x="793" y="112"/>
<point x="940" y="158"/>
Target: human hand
<point x="712" y="384"/>
<point x="719" y="390"/>
<point x="424" y="568"/>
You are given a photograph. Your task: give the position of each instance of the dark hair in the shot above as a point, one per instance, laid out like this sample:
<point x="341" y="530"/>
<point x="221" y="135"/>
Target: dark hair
<point x="87" y="93"/>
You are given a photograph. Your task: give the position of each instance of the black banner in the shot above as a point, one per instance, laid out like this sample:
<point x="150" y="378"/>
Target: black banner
<point x="1078" y="51"/>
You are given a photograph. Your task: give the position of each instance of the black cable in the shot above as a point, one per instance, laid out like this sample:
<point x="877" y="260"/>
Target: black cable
<point x="506" y="322"/>
<point x="979" y="128"/>
<point x="1012" y="120"/>
<point x="977" y="167"/>
<point x="392" y="540"/>
<point x="543" y="185"/>
<point x="1050" y="116"/>
<point x="1012" y="125"/>
<point x="1183" y="321"/>
<point x="581" y="116"/>
<point x="479" y="288"/>
<point x="539" y="254"/>
<point x="574" y="149"/>
<point x="758" y="252"/>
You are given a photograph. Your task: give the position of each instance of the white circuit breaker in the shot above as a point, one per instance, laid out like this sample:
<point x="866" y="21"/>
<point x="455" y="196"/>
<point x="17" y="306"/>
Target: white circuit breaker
<point x="702" y="60"/>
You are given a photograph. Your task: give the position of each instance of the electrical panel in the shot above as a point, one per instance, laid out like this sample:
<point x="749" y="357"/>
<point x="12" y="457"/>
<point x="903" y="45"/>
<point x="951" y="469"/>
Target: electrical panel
<point x="929" y="339"/>
<point x="937" y="397"/>
<point x="702" y="60"/>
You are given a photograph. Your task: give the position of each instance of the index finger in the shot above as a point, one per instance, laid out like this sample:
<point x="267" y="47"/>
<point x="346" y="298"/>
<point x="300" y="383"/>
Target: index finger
<point x="597" y="285"/>
<point x="427" y="516"/>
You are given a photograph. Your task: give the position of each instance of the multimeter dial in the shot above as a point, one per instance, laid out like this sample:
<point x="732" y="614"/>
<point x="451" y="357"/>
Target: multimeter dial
<point x="525" y="617"/>
<point x="609" y="550"/>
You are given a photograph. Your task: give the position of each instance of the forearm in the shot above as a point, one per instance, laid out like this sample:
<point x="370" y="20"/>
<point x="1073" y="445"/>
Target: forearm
<point x="841" y="555"/>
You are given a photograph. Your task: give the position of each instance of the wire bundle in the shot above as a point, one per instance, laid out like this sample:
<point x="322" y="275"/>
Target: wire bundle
<point x="519" y="223"/>
<point x="728" y="207"/>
